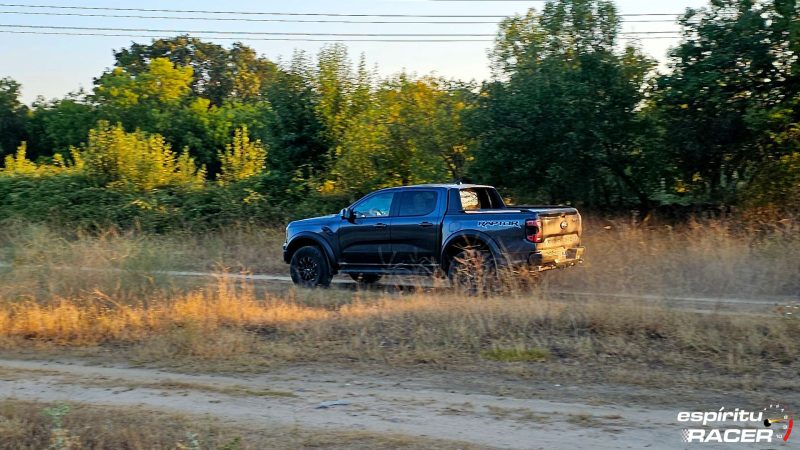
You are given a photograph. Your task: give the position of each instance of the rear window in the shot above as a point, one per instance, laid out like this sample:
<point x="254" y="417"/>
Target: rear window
<point x="475" y="199"/>
<point x="417" y="203"/>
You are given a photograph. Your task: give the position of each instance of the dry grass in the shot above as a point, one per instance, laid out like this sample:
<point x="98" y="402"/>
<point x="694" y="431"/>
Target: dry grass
<point x="233" y="325"/>
<point x="147" y="317"/>
<point x="128" y="266"/>
<point x="34" y="426"/>
<point x="712" y="257"/>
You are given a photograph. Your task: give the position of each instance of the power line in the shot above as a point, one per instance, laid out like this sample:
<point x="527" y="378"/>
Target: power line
<point x="291" y="39"/>
<point x="254" y="13"/>
<point x="279" y="20"/>
<point x="282" y="39"/>
<point x="287" y="33"/>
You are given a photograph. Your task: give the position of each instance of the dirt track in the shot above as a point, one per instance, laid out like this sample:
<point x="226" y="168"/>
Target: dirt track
<point x="436" y="406"/>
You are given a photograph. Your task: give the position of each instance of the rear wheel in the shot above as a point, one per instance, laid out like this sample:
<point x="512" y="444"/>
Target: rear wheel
<point x="365" y="278"/>
<point x="472" y="271"/>
<point x="309" y="268"/>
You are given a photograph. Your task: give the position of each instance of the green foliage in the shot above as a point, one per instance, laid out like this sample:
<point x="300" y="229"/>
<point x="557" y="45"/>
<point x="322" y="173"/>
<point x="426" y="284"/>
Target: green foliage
<point x="137" y="161"/>
<point x="55" y="126"/>
<point x="13" y="115"/>
<point x="562" y="121"/>
<point x="732" y="80"/>
<point x="570" y="116"/>
<point x="219" y="74"/>
<point x="242" y="158"/>
<point x="405" y="131"/>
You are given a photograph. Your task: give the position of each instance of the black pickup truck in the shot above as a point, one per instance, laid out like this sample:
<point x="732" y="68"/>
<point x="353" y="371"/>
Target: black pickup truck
<point x="459" y="230"/>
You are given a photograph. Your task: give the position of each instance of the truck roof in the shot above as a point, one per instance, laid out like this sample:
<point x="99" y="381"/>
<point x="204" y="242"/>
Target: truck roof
<point x="441" y="186"/>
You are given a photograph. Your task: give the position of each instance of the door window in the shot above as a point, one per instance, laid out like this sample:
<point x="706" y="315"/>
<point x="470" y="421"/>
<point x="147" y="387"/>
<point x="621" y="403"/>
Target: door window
<point x="378" y="205"/>
<point x="417" y="203"/>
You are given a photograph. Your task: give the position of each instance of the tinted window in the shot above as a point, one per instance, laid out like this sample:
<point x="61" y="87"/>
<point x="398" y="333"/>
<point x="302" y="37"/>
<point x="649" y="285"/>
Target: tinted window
<point x="376" y="206"/>
<point x="417" y="203"/>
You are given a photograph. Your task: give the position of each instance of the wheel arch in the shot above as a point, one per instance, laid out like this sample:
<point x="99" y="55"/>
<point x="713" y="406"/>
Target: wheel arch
<point x="304" y="239"/>
<point x="468" y="239"/>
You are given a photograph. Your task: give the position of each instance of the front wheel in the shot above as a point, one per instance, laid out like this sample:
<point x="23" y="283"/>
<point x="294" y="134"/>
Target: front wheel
<point x="309" y="268"/>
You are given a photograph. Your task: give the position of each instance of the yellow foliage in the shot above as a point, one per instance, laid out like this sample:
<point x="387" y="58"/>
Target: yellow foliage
<point x="242" y="158"/>
<point x="137" y="160"/>
<point x="162" y="81"/>
<point x="18" y="164"/>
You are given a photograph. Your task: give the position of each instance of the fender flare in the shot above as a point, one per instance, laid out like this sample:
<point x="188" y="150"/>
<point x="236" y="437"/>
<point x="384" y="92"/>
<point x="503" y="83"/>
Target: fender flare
<point x="327" y="249"/>
<point x="497" y="253"/>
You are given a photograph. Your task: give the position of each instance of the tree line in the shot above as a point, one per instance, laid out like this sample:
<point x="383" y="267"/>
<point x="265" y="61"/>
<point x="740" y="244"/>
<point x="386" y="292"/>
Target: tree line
<point x="569" y="116"/>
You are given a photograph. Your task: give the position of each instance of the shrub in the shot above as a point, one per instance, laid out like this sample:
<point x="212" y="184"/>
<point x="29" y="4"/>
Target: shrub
<point x="137" y="161"/>
<point x="242" y="158"/>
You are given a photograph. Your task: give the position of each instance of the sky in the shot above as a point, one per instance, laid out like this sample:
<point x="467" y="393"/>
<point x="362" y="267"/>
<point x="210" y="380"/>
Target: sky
<point x="54" y="65"/>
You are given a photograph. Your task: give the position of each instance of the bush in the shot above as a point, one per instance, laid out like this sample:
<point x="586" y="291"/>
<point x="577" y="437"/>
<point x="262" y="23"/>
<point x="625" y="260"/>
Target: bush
<point x="78" y="201"/>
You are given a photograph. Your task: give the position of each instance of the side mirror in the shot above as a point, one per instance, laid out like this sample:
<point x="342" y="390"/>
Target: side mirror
<point x="346" y="214"/>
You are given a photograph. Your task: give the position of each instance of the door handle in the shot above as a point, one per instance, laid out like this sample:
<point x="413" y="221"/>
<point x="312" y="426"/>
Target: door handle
<point x="426" y="224"/>
<point x="380" y="225"/>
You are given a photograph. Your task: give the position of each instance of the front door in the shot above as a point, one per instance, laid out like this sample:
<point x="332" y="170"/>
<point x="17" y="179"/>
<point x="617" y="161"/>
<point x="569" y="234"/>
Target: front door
<point x="367" y="238"/>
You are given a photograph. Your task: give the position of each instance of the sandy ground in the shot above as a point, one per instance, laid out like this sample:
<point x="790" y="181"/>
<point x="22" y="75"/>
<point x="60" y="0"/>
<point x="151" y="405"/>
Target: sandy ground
<point x="493" y="413"/>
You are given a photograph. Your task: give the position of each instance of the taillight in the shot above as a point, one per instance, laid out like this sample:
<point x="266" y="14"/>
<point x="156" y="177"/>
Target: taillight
<point x="533" y="231"/>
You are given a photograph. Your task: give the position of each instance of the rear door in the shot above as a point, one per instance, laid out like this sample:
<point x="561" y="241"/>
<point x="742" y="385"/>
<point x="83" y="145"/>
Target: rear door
<point x="366" y="240"/>
<point x="416" y="226"/>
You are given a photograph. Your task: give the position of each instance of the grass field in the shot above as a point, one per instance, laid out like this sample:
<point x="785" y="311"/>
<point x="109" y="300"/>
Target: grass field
<point x="51" y="301"/>
<point x="102" y="298"/>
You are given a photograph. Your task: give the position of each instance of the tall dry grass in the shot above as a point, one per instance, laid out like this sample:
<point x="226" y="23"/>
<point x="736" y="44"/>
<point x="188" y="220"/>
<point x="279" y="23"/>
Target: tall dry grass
<point x="43" y="264"/>
<point x="231" y="321"/>
<point x="48" y="299"/>
<point x="729" y="258"/>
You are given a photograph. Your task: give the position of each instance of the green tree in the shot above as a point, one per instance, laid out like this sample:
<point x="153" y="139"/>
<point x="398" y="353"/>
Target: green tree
<point x="57" y="125"/>
<point x="733" y="84"/>
<point x="219" y="74"/>
<point x="561" y="122"/>
<point x="299" y="150"/>
<point x="404" y="131"/>
<point x="13" y="115"/>
<point x="334" y="85"/>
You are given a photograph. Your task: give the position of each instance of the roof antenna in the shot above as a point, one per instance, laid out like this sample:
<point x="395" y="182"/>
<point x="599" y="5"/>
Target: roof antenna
<point x="463" y="180"/>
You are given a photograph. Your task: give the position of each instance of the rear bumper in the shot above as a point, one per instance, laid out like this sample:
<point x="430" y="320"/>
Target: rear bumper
<point x="556" y="258"/>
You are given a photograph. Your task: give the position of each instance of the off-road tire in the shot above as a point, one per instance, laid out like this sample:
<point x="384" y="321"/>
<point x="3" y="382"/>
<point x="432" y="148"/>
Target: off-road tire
<point x="310" y="268"/>
<point x="473" y="271"/>
<point x="365" y="279"/>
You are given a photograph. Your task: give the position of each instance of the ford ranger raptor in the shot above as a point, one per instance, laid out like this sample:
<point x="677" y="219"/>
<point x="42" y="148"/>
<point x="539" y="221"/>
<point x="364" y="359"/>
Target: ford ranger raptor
<point x="464" y="231"/>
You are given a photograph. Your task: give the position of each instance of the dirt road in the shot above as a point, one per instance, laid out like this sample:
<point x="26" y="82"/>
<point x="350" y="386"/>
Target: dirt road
<point x="418" y="405"/>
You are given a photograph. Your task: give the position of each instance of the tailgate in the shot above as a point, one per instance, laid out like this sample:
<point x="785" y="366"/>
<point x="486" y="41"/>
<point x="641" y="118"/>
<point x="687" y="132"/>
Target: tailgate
<point x="560" y="229"/>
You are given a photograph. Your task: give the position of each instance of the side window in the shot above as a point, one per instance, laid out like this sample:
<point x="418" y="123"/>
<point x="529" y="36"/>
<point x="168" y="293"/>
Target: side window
<point x="376" y="206"/>
<point x="470" y="200"/>
<point x="417" y="203"/>
<point x="480" y="198"/>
